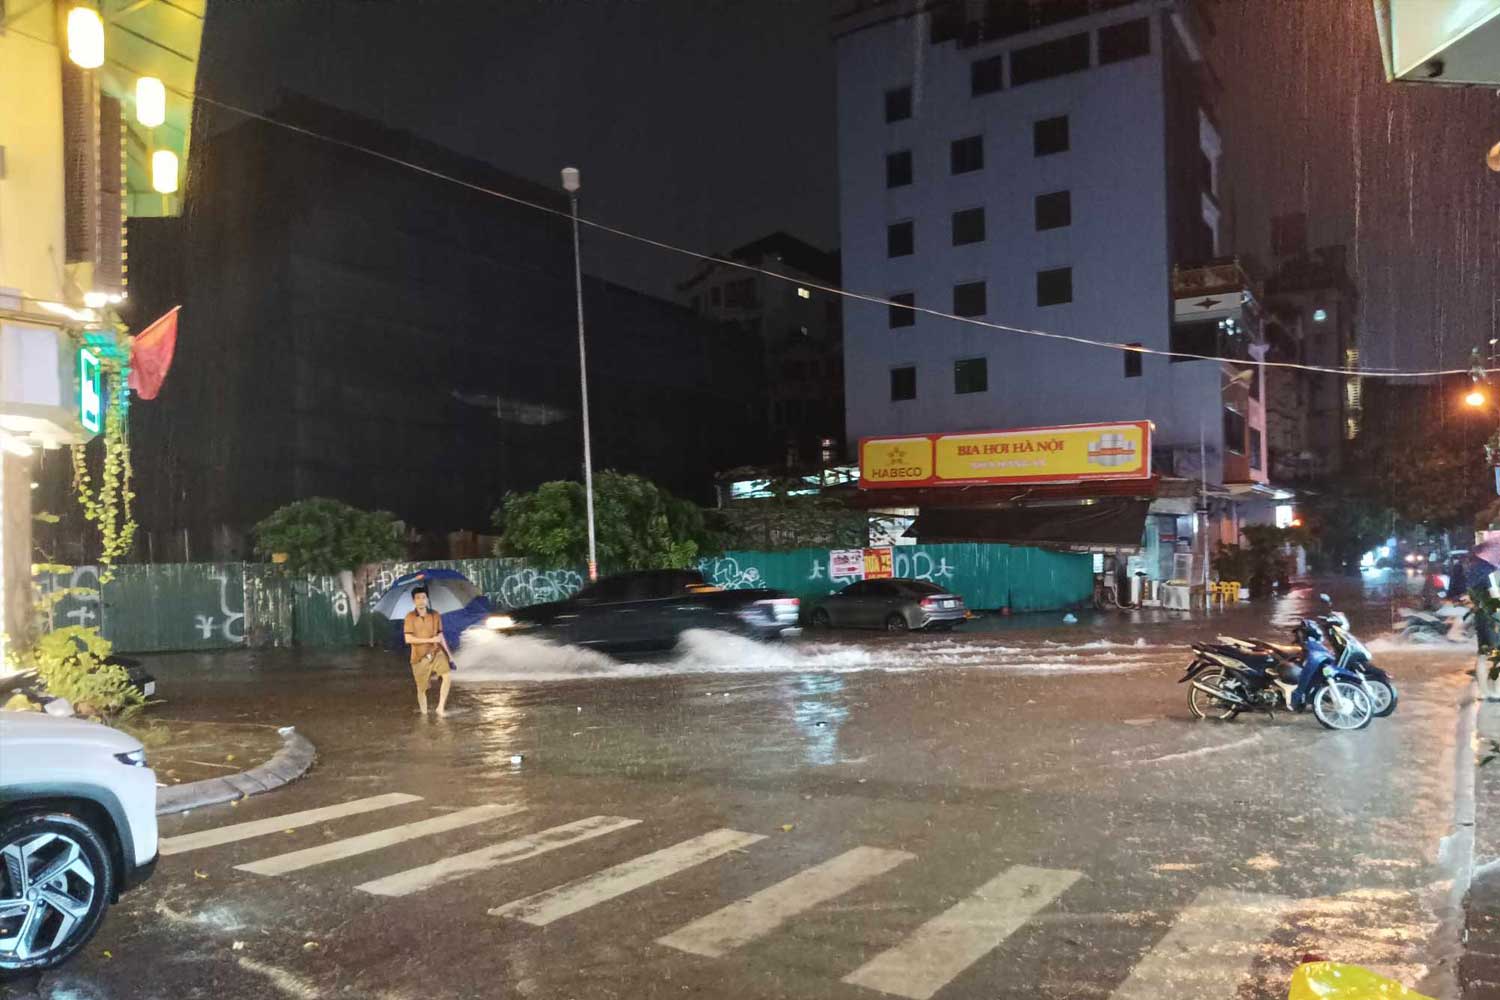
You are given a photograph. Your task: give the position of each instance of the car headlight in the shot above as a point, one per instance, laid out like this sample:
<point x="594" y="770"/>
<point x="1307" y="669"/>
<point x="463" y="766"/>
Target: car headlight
<point x="135" y="758"/>
<point x="499" y="623"/>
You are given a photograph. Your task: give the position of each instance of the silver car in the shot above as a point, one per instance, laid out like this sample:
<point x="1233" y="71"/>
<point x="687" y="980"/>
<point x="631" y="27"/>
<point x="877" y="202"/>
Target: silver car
<point x="894" y="605"/>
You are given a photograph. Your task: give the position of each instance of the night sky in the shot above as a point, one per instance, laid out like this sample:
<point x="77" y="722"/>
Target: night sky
<point x="709" y="123"/>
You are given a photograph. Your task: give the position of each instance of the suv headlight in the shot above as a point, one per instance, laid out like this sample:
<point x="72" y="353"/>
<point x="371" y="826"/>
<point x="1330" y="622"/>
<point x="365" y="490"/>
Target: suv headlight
<point x="135" y="758"/>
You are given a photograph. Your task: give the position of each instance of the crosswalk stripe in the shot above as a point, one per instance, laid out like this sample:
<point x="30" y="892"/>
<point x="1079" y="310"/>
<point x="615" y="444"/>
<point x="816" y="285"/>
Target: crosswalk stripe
<point x="274" y="824"/>
<point x="963" y="934"/>
<point x="336" y="850"/>
<point x="505" y="853"/>
<point x="755" y="916"/>
<point x="1209" y="948"/>
<point x="571" y="897"/>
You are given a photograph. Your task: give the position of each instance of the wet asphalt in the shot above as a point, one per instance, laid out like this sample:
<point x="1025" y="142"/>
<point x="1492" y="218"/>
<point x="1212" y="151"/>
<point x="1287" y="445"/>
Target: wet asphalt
<point x="1051" y="823"/>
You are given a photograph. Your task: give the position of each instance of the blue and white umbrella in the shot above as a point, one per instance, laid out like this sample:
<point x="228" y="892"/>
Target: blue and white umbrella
<point x="448" y="590"/>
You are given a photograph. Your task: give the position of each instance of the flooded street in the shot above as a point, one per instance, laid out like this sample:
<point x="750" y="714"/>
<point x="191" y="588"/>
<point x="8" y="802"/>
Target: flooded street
<point x="1018" y="811"/>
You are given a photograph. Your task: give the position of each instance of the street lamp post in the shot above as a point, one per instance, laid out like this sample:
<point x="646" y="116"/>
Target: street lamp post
<point x="570" y="185"/>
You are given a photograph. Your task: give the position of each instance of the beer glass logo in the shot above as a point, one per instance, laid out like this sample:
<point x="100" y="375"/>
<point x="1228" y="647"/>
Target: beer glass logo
<point x="1112" y="450"/>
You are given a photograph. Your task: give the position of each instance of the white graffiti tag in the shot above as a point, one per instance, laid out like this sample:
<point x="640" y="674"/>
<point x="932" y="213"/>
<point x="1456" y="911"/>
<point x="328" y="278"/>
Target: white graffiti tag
<point x="726" y="572"/>
<point x="534" y="586"/>
<point x="233" y="629"/>
<point x="919" y="565"/>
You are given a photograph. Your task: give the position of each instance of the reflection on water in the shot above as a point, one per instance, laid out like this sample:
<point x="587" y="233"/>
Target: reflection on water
<point x="819" y="714"/>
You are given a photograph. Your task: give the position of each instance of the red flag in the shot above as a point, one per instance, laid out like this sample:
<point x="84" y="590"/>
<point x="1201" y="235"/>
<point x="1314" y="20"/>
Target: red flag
<point x="151" y="355"/>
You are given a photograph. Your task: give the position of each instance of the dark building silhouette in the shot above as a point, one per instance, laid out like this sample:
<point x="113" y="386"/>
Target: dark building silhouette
<point x="356" y="329"/>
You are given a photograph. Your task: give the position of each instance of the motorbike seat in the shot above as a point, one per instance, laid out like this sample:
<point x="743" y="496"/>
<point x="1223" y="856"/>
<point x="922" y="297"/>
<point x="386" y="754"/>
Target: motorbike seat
<point x="1283" y="649"/>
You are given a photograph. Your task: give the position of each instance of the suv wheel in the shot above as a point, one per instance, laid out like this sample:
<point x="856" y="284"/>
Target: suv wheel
<point x="56" y="877"/>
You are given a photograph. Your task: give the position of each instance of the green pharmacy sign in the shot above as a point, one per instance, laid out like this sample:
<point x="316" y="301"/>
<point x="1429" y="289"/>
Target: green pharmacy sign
<point x="90" y="391"/>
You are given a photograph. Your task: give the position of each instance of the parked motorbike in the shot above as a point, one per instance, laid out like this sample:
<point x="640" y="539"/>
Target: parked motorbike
<point x="1352" y="655"/>
<point x="1228" y="678"/>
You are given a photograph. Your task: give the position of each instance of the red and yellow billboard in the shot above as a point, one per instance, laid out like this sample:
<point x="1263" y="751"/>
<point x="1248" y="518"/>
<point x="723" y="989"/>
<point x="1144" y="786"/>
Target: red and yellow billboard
<point x="1073" y="453"/>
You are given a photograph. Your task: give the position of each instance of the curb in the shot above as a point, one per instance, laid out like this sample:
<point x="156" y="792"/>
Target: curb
<point x="289" y="763"/>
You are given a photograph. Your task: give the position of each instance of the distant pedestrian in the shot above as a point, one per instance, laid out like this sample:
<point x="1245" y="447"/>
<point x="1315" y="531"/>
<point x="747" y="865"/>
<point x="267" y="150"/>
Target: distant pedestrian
<point x="1458" y="579"/>
<point x="429" y="651"/>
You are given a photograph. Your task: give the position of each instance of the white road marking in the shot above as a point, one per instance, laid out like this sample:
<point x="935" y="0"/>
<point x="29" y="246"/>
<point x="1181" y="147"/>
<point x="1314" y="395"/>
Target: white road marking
<point x="336" y="850"/>
<point x="1208" y="949"/>
<point x="564" y="900"/>
<point x="505" y="853"/>
<point x="755" y="916"/>
<point x="960" y="936"/>
<point x="275" y="824"/>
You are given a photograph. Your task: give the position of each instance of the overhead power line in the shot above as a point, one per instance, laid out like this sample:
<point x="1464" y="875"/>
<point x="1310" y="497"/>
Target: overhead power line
<point x="828" y="289"/>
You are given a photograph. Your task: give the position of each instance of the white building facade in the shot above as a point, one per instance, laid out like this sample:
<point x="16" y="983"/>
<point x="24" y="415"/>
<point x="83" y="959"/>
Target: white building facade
<point x="1064" y="177"/>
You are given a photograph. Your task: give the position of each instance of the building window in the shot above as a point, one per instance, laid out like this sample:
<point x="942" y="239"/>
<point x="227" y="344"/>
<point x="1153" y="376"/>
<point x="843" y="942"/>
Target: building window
<point x="1255" y="462"/>
<point x="1050" y="135"/>
<point x="1234" y="432"/>
<point x="899" y="317"/>
<point x="1200" y="337"/>
<point x="971" y="375"/>
<point x="967" y="155"/>
<point x="1054" y="211"/>
<point x="1049" y="59"/>
<point x="898" y="104"/>
<point x="900" y="239"/>
<point x="968" y="226"/>
<point x="1133" y="362"/>
<point x="903" y="383"/>
<point x="969" y="299"/>
<point x="987" y="75"/>
<point x="1119" y="42"/>
<point x="898" y="169"/>
<point x="740" y="294"/>
<point x="1054" y="287"/>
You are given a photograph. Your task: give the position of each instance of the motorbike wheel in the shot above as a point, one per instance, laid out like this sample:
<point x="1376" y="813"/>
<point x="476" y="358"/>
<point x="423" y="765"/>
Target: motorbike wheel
<point x="1383" y="697"/>
<point x="1205" y="705"/>
<point x="1356" y="713"/>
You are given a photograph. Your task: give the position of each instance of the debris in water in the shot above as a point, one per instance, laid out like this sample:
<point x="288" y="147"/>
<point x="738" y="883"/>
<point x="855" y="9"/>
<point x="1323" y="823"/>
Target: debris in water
<point x="198" y="874"/>
<point x="788" y="827"/>
<point x="1070" y="619"/>
<point x="237" y="946"/>
<point x="310" y="946"/>
<point x="516" y="759"/>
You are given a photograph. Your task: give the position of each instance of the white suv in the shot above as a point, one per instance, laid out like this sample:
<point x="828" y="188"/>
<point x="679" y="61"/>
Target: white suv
<point x="77" y="828"/>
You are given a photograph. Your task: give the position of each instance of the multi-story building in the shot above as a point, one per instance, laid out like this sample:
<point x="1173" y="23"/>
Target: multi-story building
<point x="1052" y="167"/>
<point x="1311" y="306"/>
<point x="94" y="124"/>
<point x="404" y="343"/>
<point x="800" y="330"/>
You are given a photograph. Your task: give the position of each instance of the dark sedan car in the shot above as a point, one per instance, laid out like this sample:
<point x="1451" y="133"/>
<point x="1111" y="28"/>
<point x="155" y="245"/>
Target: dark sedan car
<point x="894" y="605"/>
<point x="649" y="609"/>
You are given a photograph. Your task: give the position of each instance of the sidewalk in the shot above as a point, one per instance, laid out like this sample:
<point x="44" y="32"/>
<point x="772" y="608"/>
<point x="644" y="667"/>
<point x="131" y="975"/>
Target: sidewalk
<point x="205" y="763"/>
<point x="1479" y="969"/>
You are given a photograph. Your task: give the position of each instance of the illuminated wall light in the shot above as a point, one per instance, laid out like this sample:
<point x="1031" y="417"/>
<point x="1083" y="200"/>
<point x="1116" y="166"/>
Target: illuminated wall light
<point x="803" y="293"/>
<point x="95" y="300"/>
<point x="164" y="171"/>
<point x="85" y="37"/>
<point x="150" y="101"/>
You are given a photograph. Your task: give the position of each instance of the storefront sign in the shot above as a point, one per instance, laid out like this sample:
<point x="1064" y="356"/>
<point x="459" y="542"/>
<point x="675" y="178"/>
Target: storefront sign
<point x="1035" y="455"/>
<point x="90" y="391"/>
<point x="846" y="564"/>
<point x="879" y="564"/>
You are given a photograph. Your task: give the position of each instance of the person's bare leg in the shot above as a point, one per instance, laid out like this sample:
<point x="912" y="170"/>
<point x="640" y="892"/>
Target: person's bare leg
<point x="422" y="697"/>
<point x="442" y="708"/>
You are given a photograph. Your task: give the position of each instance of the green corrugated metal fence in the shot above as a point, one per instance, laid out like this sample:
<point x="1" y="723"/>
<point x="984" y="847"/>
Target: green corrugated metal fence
<point x="196" y="606"/>
<point x="986" y="576"/>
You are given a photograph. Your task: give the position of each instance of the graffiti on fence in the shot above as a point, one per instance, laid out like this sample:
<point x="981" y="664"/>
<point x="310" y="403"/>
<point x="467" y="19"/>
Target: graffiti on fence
<point x="232" y="628"/>
<point x="79" y="604"/>
<point x="521" y="587"/>
<point x="726" y="572"/>
<point x="919" y="565"/>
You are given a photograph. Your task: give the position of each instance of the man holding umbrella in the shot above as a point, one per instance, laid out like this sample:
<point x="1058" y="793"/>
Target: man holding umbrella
<point x="429" y="650"/>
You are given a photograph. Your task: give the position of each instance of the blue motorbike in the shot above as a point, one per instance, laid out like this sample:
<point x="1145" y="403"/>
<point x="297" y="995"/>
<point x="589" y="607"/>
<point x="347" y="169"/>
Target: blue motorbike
<point x="1234" y="676"/>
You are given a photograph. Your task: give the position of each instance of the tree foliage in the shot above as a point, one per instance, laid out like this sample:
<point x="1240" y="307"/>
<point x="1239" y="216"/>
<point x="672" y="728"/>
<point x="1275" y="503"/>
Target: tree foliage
<point x="638" y="525"/>
<point x="72" y="663"/>
<point x="324" y="537"/>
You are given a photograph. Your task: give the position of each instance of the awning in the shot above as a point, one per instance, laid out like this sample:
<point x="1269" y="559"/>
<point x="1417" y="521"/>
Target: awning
<point x="1102" y="526"/>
